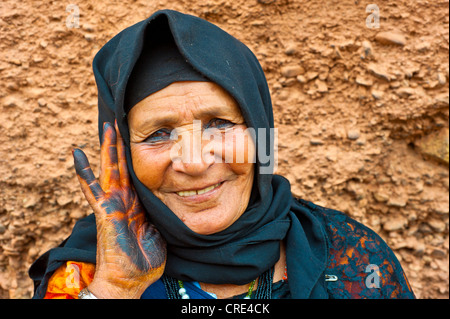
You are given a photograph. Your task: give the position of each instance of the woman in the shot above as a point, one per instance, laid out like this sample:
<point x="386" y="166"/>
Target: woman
<point x="174" y="216"/>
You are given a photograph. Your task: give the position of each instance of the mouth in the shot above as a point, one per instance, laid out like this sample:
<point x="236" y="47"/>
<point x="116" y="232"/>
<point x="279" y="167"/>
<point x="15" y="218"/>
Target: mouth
<point x="202" y="191"/>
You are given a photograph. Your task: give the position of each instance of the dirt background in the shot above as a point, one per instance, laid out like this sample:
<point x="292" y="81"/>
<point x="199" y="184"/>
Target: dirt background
<point x="362" y="115"/>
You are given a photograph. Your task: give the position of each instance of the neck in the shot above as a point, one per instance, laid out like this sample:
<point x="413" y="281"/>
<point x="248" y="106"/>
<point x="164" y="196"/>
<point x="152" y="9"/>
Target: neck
<point x="224" y="291"/>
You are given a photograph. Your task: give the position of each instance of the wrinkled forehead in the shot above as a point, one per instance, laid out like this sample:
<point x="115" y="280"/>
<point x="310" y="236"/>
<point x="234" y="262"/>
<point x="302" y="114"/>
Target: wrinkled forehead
<point x="182" y="103"/>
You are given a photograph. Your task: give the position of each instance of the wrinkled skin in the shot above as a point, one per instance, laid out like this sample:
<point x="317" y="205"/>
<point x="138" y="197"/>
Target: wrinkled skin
<point x="131" y="254"/>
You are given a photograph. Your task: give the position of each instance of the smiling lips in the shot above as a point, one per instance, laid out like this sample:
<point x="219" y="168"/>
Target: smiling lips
<point x="198" y="191"/>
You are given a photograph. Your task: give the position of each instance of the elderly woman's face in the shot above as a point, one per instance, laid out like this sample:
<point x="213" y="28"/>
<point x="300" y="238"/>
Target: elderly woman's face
<point x="205" y="181"/>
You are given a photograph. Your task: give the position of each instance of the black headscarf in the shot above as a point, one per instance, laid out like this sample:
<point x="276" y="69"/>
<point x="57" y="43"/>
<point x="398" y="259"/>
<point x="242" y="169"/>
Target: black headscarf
<point x="160" y="64"/>
<point x="250" y="246"/>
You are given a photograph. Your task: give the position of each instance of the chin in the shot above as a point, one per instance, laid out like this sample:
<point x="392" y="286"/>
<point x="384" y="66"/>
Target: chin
<point x="209" y="221"/>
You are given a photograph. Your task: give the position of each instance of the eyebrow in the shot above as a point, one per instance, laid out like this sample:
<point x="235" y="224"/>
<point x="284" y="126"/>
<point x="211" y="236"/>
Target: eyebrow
<point x="171" y="118"/>
<point x="166" y="119"/>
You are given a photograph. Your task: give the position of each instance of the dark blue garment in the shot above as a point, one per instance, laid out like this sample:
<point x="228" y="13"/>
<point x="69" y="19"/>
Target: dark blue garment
<point x="364" y="265"/>
<point x="308" y="278"/>
<point x="158" y="291"/>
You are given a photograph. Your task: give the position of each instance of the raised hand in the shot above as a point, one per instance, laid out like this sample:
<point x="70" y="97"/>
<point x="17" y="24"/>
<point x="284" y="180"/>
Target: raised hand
<point x="131" y="254"/>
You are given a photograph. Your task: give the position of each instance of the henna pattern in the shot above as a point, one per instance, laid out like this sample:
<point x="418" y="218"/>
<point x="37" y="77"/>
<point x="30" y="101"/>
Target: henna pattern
<point x="130" y="250"/>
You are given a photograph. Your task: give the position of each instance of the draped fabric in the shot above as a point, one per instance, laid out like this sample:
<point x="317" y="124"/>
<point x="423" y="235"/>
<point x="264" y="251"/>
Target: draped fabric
<point x="363" y="266"/>
<point x="251" y="245"/>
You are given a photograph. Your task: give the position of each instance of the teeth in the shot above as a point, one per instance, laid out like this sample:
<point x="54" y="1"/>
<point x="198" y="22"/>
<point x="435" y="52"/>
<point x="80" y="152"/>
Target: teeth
<point x="187" y="193"/>
<point x="207" y="189"/>
<point x="197" y="192"/>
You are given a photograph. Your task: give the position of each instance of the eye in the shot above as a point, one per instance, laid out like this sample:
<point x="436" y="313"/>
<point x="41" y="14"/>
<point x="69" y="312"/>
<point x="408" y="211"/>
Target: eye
<point x="219" y="124"/>
<point x="161" y="135"/>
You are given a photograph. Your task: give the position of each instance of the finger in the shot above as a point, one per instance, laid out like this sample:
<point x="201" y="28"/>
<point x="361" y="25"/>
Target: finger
<point x="122" y="160"/>
<point x="109" y="173"/>
<point x="89" y="184"/>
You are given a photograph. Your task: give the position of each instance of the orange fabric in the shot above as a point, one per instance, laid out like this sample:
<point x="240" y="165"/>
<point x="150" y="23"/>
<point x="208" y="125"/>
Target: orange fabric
<point x="69" y="279"/>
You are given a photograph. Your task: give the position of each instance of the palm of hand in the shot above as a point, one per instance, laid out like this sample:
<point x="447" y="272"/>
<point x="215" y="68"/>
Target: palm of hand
<point x="130" y="251"/>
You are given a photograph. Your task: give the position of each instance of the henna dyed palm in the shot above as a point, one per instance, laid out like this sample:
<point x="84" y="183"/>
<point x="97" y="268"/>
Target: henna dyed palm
<point x="131" y="253"/>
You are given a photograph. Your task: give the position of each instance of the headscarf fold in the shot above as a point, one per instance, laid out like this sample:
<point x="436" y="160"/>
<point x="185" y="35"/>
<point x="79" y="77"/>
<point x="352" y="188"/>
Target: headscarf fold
<point x="159" y="65"/>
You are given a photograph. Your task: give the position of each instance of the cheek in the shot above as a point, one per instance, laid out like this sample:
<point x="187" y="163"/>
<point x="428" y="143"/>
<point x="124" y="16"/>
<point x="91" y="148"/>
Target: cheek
<point x="238" y="149"/>
<point x="149" y="165"/>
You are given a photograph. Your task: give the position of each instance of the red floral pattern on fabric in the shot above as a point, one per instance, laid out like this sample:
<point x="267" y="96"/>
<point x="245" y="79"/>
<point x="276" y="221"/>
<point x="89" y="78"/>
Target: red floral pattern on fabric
<point x="365" y="266"/>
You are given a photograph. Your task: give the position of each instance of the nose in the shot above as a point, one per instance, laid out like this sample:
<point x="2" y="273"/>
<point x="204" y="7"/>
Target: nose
<point x="193" y="169"/>
<point x="190" y="155"/>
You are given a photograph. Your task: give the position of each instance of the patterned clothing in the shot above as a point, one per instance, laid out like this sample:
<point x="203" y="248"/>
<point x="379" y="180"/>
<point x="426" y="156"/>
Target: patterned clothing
<point x="360" y="266"/>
